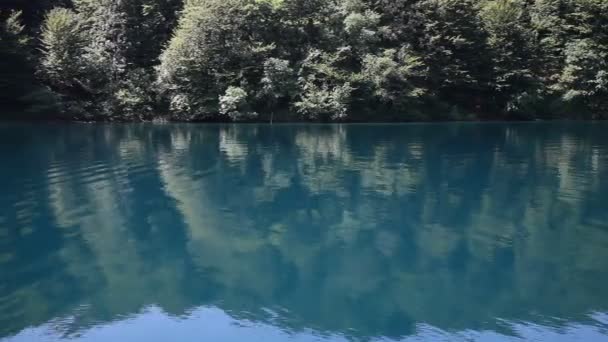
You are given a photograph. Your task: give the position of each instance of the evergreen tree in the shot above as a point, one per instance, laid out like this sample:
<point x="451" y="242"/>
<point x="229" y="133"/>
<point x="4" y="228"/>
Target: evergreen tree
<point x="32" y="11"/>
<point x="13" y="53"/>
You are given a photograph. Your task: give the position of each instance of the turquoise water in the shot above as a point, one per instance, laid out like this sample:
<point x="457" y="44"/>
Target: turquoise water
<point x="426" y="232"/>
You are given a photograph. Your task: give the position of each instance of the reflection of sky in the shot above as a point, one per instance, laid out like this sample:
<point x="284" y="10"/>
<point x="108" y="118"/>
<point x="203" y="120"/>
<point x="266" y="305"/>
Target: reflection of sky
<point x="213" y="324"/>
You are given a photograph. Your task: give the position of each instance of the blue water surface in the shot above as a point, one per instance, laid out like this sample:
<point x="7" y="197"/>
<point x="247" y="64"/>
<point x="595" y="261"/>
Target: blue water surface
<point x="419" y="232"/>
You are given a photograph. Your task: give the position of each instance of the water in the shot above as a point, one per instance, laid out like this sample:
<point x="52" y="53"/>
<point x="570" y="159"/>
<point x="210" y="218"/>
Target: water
<point x="427" y="232"/>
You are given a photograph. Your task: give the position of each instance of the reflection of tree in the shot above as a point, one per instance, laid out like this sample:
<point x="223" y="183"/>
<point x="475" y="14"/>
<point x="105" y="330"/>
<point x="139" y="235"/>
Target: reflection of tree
<point x="373" y="227"/>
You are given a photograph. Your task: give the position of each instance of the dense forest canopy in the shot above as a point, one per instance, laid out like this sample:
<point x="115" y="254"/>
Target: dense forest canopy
<point x="322" y="60"/>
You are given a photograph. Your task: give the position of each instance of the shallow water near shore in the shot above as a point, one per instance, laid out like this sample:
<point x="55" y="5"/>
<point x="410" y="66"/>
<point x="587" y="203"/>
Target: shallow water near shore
<point x="203" y="232"/>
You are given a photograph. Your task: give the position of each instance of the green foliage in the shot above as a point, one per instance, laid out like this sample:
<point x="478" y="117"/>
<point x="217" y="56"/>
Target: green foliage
<point x="217" y="44"/>
<point x="63" y="42"/>
<point x="278" y="78"/>
<point x="234" y="104"/>
<point x="12" y="36"/>
<point x="512" y="46"/>
<point x="13" y="30"/>
<point x="278" y="84"/>
<point x="135" y="98"/>
<point x="324" y="60"/>
<point x="362" y="27"/>
<point x="19" y="89"/>
<point x="324" y="88"/>
<point x="14" y="62"/>
<point x="453" y="45"/>
<point x="323" y="102"/>
<point x="99" y="56"/>
<point x="585" y="75"/>
<point x="395" y="76"/>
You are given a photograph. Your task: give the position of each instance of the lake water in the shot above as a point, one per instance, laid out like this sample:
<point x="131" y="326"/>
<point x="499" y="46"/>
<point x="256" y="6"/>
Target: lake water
<point x="422" y="232"/>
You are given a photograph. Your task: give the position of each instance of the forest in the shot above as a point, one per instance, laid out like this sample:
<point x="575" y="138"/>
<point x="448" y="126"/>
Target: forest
<point x="303" y="60"/>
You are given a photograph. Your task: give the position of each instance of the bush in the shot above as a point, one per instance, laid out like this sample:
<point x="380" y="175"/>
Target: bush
<point x="234" y="104"/>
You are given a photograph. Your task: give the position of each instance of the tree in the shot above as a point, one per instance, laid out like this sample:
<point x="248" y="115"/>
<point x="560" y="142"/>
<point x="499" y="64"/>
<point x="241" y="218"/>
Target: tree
<point x="324" y="88"/>
<point x="234" y="104"/>
<point x="100" y="55"/>
<point x="396" y="77"/>
<point x="278" y="83"/>
<point x="573" y="37"/>
<point x="63" y="42"/>
<point x="32" y="11"/>
<point x="548" y="18"/>
<point x="451" y="41"/>
<point x="585" y="76"/>
<point x="217" y="44"/>
<point x="20" y="91"/>
<point x="322" y="60"/>
<point x="13" y="53"/>
<point x="361" y="25"/>
<point x="511" y="41"/>
<point x="396" y="19"/>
